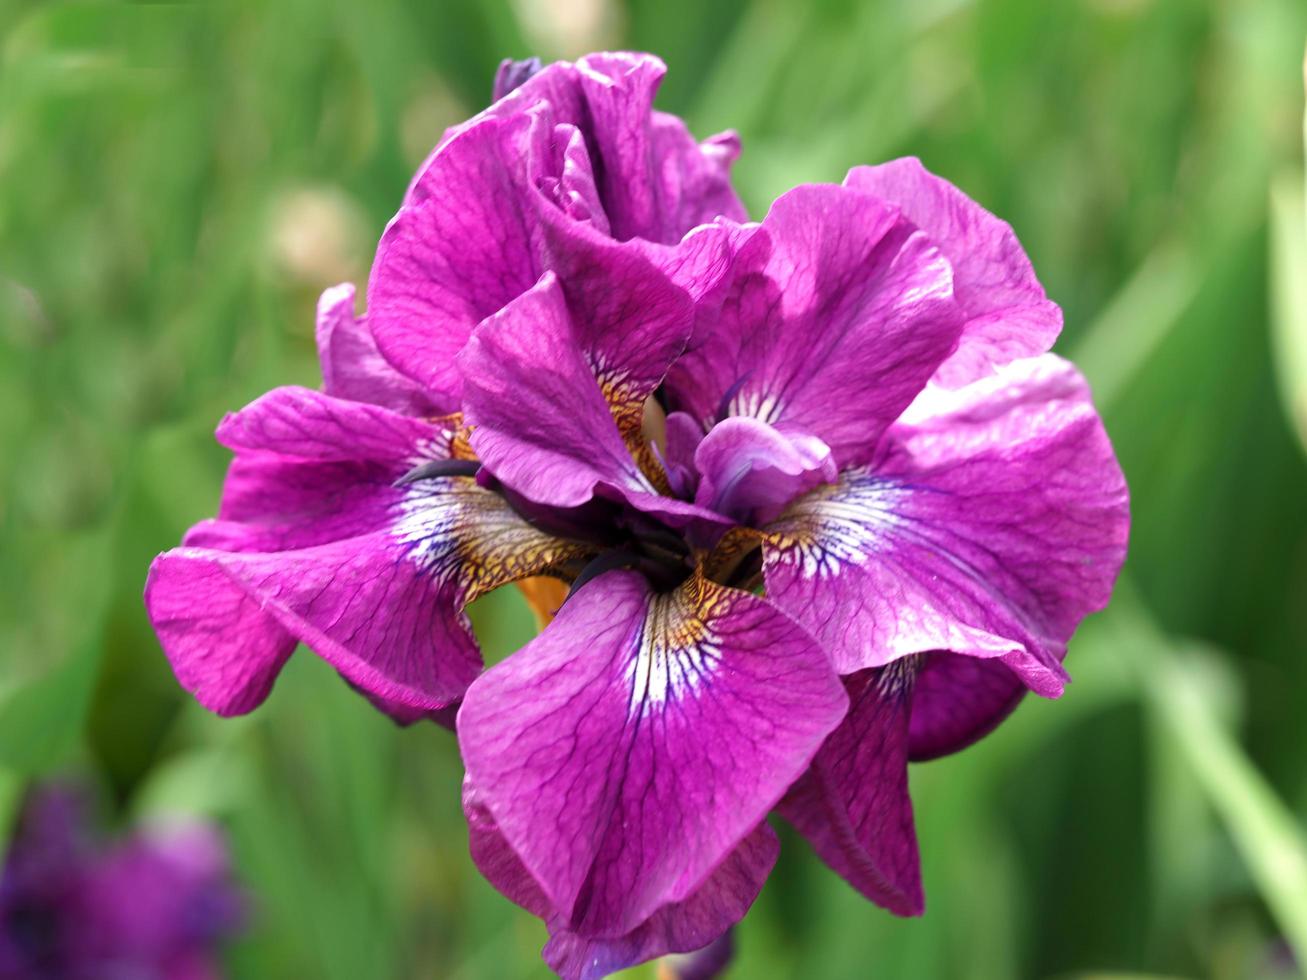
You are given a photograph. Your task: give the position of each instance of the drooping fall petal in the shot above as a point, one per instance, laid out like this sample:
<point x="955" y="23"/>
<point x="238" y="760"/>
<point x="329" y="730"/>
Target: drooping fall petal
<point x="679" y="927"/>
<point x="630" y="747"/>
<point x="853" y="804"/>
<point x="317" y="545"/>
<point x="993" y="521"/>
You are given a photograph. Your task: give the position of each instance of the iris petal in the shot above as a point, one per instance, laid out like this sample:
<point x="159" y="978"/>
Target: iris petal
<point x="853" y="804"/>
<point x="546" y="391"/>
<point x="837" y="313"/>
<point x="679" y="927"/>
<point x="750" y="470"/>
<point x="628" y="749"/>
<point x="1008" y="315"/>
<point x="657" y="181"/>
<point x="567" y="171"/>
<point x="352" y="366"/>
<point x="957" y="700"/>
<point x="322" y="548"/>
<point x="989" y="526"/>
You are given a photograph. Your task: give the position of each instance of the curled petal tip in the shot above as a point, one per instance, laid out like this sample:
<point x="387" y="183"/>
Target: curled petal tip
<point x="514" y="74"/>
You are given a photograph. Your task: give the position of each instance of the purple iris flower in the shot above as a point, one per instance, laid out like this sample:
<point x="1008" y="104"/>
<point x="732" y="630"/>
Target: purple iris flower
<point x="157" y="904"/>
<point x="818" y="498"/>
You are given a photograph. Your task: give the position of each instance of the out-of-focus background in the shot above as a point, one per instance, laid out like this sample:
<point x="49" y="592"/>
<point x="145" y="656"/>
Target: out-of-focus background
<point x="177" y="184"/>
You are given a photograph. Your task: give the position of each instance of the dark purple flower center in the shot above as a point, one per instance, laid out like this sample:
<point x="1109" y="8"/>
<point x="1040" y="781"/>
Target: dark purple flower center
<point x="621" y="536"/>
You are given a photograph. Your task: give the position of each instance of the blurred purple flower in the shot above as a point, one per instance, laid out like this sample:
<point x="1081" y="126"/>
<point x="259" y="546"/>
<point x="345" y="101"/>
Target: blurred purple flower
<point x="156" y="905"/>
<point x="581" y="361"/>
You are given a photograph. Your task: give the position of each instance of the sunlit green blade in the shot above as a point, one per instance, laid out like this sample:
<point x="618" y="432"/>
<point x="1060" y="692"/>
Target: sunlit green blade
<point x="1289" y="296"/>
<point x="1117" y="345"/>
<point x="1187" y="697"/>
<point x="41" y="721"/>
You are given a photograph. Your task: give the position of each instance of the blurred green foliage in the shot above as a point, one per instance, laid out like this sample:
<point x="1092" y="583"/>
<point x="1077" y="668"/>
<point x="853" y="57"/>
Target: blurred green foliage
<point x="177" y="183"/>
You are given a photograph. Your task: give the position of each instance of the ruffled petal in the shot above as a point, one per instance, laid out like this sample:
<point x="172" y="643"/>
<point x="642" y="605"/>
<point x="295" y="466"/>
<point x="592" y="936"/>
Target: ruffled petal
<point x="657" y="181"/>
<point x="569" y="168"/>
<point x="990" y="526"/>
<point x="467" y="248"/>
<point x="693" y="179"/>
<point x="853" y="804"/>
<point x="550" y="92"/>
<point x="570" y="183"/>
<point x="686" y="926"/>
<point x="838" y="312"/>
<point x="353" y="368"/>
<point x="1008" y="315"/>
<point x="323" y="548"/>
<point x="628" y="749"/>
<point x="545" y="393"/>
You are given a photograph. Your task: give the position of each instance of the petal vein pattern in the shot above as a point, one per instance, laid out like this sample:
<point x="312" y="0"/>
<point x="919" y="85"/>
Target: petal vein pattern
<point x="542" y="422"/>
<point x="837" y="312"/>
<point x="989" y="524"/>
<point x="570" y="170"/>
<point x="1008" y="315"/>
<point x="677" y="653"/>
<point x="455" y="529"/>
<point x="852" y="804"/>
<point x="635" y="742"/>
<point x="678" y="927"/>
<point x="321" y="547"/>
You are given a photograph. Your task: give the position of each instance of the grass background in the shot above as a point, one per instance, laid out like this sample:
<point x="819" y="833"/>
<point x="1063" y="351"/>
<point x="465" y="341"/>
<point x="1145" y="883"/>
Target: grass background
<point x="178" y="182"/>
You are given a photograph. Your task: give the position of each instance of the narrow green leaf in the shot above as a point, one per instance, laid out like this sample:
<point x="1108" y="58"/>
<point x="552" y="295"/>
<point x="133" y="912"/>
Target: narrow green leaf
<point x="1262" y="827"/>
<point x="1188" y="701"/>
<point x="41" y="721"/>
<point x="1114" y="349"/>
<point x="11" y="794"/>
<point x="1289" y="296"/>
